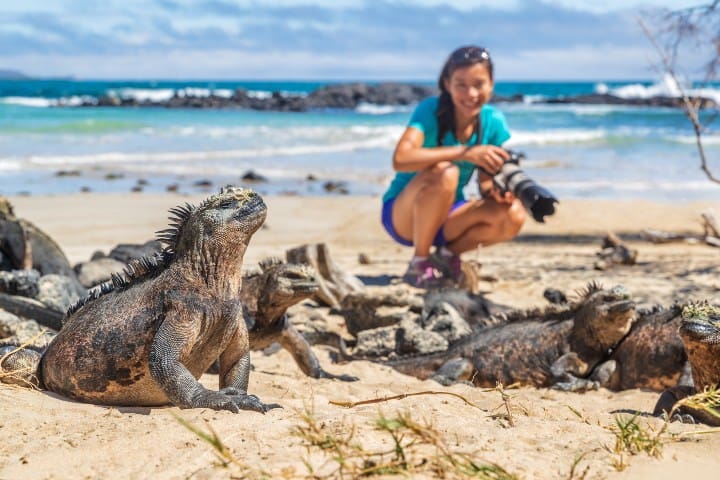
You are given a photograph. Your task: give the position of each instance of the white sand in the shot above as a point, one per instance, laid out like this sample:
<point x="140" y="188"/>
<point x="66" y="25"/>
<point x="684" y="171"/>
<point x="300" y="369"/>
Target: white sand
<point x="46" y="436"/>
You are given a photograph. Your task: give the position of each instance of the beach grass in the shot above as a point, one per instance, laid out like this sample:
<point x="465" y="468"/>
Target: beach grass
<point x="416" y="447"/>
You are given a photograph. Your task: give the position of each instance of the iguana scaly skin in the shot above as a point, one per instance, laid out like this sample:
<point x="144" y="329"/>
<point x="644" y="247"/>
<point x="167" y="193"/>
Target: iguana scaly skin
<point x="536" y="351"/>
<point x="145" y="339"/>
<point x="267" y="296"/>
<point x="700" y="332"/>
<point x="651" y="356"/>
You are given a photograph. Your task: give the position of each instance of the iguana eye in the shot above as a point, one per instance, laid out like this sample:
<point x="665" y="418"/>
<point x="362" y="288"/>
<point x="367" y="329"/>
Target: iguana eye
<point x="227" y="204"/>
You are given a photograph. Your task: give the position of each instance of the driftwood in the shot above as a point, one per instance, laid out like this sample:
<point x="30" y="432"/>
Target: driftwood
<point x="31" y="309"/>
<point x="472" y="276"/>
<point x="710" y="235"/>
<point x="710" y="225"/>
<point x="335" y="284"/>
<point x="614" y="252"/>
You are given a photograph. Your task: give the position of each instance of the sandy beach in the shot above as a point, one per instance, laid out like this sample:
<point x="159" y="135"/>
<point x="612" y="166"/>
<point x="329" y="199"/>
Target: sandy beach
<point x="548" y="434"/>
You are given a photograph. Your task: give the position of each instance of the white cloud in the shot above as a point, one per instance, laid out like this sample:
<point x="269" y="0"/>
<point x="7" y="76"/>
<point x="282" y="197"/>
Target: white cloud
<point x="615" y="5"/>
<point x="108" y="6"/>
<point x="601" y="62"/>
<point x="234" y="64"/>
<point x="392" y="39"/>
<point x="466" y="5"/>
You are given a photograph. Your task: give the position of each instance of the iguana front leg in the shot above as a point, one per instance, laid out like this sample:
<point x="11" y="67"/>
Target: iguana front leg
<point x="568" y="372"/>
<point x="293" y="341"/>
<point x="181" y="387"/>
<point x="237" y="376"/>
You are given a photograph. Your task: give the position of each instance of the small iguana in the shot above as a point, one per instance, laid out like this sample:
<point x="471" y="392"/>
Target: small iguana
<point x="146" y="337"/>
<point x="266" y="296"/>
<point x="700" y="333"/>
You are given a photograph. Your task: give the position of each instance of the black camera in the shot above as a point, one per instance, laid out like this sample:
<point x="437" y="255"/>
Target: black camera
<point x="536" y="199"/>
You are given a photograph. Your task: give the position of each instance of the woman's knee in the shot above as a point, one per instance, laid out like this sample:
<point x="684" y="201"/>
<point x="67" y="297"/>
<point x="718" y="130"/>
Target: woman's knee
<point x="515" y="217"/>
<point x="502" y="225"/>
<point x="445" y="175"/>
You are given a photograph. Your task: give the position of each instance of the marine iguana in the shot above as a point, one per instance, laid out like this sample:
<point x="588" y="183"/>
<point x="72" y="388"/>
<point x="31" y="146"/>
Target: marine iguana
<point x="700" y="332"/>
<point x="535" y="350"/>
<point x="266" y="296"/>
<point x="146" y="337"/>
<point x="651" y="356"/>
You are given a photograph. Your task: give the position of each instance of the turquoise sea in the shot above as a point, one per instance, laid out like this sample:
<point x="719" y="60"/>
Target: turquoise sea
<point x="577" y="151"/>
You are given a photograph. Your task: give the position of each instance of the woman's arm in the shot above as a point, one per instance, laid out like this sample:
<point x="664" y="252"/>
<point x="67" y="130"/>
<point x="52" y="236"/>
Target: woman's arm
<point x="410" y="156"/>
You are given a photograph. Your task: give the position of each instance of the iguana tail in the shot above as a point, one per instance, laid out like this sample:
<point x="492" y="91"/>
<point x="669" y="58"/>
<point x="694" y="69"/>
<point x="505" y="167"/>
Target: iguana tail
<point x="19" y="366"/>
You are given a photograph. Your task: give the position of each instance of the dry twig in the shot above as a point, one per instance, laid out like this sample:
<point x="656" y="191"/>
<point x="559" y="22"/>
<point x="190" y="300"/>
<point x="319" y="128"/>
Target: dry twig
<point x="400" y="397"/>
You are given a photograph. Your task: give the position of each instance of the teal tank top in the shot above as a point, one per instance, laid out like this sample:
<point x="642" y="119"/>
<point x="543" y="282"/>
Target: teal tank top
<point x="494" y="132"/>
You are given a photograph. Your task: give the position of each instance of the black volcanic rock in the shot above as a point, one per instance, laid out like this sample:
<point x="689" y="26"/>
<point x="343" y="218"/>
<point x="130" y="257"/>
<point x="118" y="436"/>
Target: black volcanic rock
<point x="398" y="94"/>
<point x="350" y="95"/>
<point x="252" y="177"/>
<point x="516" y="98"/>
<point x="608" y="99"/>
<point x="108" y="101"/>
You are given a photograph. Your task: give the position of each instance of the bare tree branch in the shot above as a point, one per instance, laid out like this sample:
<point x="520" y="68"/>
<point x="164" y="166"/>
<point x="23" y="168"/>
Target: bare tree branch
<point x="681" y="25"/>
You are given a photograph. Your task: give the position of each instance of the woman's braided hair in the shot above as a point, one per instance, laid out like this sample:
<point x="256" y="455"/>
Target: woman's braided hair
<point x="462" y="57"/>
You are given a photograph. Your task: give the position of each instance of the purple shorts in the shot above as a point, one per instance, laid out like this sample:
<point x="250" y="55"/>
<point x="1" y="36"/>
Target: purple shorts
<point x="439" y="239"/>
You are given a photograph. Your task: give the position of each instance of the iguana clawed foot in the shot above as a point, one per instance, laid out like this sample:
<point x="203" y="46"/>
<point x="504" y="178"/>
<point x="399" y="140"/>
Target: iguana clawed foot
<point x="341" y="377"/>
<point x="251" y="402"/>
<point x="230" y="399"/>
<point x="666" y="403"/>
<point x="576" y="385"/>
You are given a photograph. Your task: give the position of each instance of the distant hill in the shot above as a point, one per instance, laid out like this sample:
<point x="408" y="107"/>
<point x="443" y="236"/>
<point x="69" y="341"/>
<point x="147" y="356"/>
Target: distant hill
<point x="12" y="75"/>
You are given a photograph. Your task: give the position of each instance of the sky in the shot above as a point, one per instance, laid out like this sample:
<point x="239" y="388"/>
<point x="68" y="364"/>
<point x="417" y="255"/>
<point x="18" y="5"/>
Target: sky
<point x="328" y="39"/>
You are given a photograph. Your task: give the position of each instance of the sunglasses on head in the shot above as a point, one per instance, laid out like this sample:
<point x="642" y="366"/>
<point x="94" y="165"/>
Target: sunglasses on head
<point x="467" y="54"/>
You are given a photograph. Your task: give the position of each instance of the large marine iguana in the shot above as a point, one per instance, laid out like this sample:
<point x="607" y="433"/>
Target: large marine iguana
<point x="700" y="333"/>
<point x="557" y="350"/>
<point x="266" y="296"/>
<point x="146" y="337"/>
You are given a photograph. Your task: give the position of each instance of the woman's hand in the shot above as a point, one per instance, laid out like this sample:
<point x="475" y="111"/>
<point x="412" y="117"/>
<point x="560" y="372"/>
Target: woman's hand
<point x="488" y="190"/>
<point x="500" y="197"/>
<point x="489" y="157"/>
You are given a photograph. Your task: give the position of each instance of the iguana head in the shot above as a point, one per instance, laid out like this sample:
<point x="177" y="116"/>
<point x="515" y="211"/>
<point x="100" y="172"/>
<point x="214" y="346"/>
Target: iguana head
<point x="700" y="333"/>
<point x="223" y="222"/>
<point x="267" y="296"/>
<point x="286" y="284"/>
<point x="213" y="234"/>
<point x="604" y="316"/>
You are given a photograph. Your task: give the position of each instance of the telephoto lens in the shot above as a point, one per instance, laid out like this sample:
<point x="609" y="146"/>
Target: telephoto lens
<point x="536" y="199"/>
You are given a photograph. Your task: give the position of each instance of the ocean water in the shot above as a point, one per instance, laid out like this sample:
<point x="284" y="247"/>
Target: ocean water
<point x="576" y="151"/>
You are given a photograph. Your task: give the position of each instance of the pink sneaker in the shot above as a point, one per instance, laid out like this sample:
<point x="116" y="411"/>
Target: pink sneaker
<point x="423" y="274"/>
